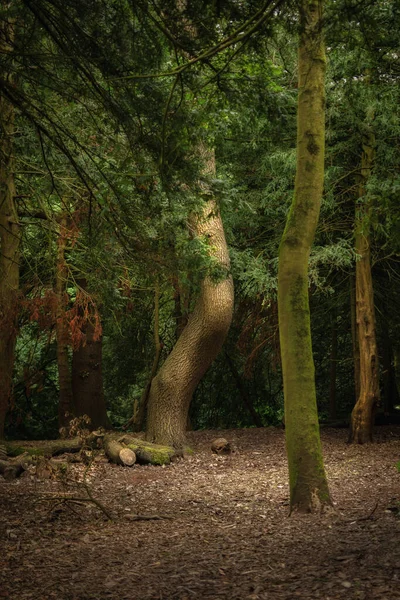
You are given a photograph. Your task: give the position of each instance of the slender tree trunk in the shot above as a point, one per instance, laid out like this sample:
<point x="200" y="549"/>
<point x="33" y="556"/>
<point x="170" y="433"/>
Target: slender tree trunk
<point x="199" y="343"/>
<point x="65" y="402"/>
<point x="308" y="485"/>
<point x="362" y="417"/>
<point x="9" y="241"/>
<point x="333" y="370"/>
<point x="87" y="378"/>
<point x="139" y="415"/>
<point x="354" y="336"/>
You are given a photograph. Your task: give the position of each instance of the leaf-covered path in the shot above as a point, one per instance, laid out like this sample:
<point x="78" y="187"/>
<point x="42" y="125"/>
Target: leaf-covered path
<point x="224" y="531"/>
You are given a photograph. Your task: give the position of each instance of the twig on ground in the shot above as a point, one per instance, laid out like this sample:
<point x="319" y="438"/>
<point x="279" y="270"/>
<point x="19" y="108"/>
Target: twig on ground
<point x="148" y="517"/>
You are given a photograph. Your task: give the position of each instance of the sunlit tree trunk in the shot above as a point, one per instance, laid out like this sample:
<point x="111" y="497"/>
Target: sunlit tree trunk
<point x="362" y="417"/>
<point x="200" y="341"/>
<point x="87" y="378"/>
<point x="9" y="241"/>
<point x="308" y="485"/>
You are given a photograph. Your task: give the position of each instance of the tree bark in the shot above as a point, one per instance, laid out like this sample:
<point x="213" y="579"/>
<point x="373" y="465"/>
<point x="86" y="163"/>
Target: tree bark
<point x="65" y="402"/>
<point x="9" y="240"/>
<point x="308" y="485"/>
<point x="362" y="417"/>
<point x="87" y="379"/>
<point x="199" y="343"/>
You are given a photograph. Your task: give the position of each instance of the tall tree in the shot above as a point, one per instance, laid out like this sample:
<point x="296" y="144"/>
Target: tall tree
<point x="199" y="343"/>
<point x="362" y="417"/>
<point x="62" y="328"/>
<point x="87" y="379"/>
<point x="308" y="485"/>
<point x="9" y="235"/>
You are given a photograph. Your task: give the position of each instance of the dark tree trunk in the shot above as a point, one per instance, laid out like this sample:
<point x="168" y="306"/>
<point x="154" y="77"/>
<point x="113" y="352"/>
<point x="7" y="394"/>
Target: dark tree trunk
<point x="9" y="240"/>
<point x="354" y="337"/>
<point x="65" y="402"/>
<point x="243" y="392"/>
<point x="87" y="379"/>
<point x="390" y="392"/>
<point x="333" y="370"/>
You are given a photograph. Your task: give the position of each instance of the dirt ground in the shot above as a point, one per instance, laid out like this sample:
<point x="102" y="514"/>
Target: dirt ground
<point x="223" y="530"/>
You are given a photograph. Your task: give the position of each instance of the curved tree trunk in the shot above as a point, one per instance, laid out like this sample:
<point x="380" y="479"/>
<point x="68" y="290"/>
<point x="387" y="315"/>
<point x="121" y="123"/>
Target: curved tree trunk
<point x="362" y="417"/>
<point x="308" y="484"/>
<point x="65" y="402"/>
<point x="9" y="242"/>
<point x="199" y="343"/>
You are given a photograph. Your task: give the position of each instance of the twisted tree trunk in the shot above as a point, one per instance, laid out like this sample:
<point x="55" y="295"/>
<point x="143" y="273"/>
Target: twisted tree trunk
<point x="199" y="343"/>
<point x="9" y="240"/>
<point x="308" y="484"/>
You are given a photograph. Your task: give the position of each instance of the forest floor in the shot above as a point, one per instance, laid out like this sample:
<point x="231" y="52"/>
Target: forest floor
<point x="223" y="532"/>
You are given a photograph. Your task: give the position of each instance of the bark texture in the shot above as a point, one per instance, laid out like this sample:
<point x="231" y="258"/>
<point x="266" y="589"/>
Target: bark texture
<point x="65" y="403"/>
<point x="87" y="379"/>
<point x="362" y="417"/>
<point x="9" y="241"/>
<point x="199" y="343"/>
<point x="308" y="485"/>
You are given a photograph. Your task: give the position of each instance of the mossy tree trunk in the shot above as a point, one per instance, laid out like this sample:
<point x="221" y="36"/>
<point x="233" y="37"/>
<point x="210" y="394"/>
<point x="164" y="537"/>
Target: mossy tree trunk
<point x="201" y="340"/>
<point x="9" y="240"/>
<point x="308" y="485"/>
<point x="362" y="417"/>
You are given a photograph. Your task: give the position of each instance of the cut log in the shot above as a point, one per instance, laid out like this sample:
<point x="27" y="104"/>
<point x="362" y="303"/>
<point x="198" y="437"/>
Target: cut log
<point x="118" y="453"/>
<point x="44" y="448"/>
<point x="13" y="468"/>
<point x="146" y="453"/>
